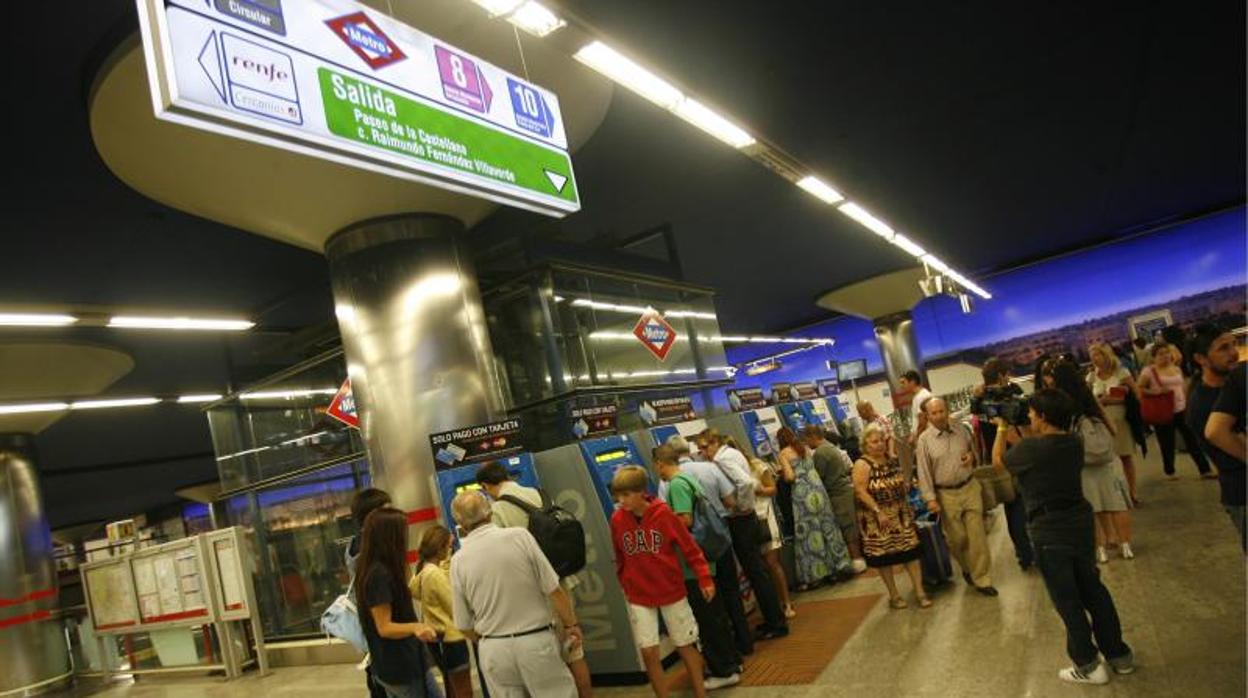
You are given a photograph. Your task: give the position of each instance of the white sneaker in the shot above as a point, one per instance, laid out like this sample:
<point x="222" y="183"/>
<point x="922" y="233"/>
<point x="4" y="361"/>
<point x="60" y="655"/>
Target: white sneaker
<point x="1098" y="676"/>
<point x="1101" y="556"/>
<point x="714" y="682"/>
<point x="1127" y="552"/>
<point x="859" y="565"/>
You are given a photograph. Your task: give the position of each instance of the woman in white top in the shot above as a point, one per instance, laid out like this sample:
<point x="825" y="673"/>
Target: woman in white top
<point x="1164" y="374"/>
<point x="765" y="508"/>
<point x="1110" y="382"/>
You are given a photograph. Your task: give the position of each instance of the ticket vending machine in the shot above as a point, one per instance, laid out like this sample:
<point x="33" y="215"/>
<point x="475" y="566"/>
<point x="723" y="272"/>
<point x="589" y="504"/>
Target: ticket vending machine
<point x="603" y="456"/>
<point x="452" y="481"/>
<point x="577" y="477"/>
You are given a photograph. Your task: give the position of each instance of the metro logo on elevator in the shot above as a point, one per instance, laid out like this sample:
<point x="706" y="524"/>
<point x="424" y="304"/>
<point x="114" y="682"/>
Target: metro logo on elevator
<point x="655" y="333"/>
<point x="366" y="39"/>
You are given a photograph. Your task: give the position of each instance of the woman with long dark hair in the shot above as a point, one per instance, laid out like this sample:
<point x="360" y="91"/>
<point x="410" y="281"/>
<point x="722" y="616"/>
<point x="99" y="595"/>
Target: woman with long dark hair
<point x="1104" y="482"/>
<point x="431" y="589"/>
<point x="386" y="612"/>
<point x="821" y="549"/>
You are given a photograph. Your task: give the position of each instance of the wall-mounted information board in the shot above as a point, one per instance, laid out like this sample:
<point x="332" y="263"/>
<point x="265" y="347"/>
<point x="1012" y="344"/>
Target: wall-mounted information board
<point x="231" y="569"/>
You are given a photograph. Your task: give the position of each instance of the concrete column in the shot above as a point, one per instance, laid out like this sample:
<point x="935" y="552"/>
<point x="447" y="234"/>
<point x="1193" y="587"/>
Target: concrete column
<point x="33" y="653"/>
<point x="416" y="344"/>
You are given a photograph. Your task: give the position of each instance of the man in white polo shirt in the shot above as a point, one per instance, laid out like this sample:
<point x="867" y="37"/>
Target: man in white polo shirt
<point x="503" y="588"/>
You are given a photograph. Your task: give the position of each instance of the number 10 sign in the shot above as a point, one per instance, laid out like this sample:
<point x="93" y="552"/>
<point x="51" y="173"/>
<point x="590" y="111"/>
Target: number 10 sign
<point x="530" y="109"/>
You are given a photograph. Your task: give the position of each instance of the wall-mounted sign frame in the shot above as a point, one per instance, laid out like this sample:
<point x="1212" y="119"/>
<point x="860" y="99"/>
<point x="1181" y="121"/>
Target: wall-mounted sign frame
<point x="340" y="81"/>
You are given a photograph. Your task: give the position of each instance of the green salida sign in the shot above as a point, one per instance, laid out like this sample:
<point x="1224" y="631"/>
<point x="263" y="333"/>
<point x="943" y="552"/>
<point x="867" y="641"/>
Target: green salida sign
<point x="365" y="113"/>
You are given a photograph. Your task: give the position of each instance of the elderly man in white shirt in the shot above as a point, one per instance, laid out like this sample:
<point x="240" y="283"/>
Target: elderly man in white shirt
<point x="503" y="588"/>
<point x="742" y="524"/>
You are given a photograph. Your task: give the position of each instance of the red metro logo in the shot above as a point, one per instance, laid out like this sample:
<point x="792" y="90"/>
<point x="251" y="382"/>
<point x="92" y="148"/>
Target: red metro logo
<point x="655" y="333"/>
<point x="366" y="39"/>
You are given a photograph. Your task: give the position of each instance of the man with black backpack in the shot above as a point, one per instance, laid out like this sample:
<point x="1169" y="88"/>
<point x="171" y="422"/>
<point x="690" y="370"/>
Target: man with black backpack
<point x="512" y="504"/>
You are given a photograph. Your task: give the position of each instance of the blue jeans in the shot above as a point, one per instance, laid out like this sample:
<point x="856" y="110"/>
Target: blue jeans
<point x="1075" y="587"/>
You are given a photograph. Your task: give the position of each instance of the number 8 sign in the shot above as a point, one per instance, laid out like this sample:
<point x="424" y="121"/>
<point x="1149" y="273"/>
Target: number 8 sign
<point x="462" y="81"/>
<point x="530" y="109"/>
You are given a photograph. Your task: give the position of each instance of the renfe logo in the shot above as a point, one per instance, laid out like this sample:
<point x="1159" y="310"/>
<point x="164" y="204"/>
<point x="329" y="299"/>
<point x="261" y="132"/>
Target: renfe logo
<point x="366" y="39"/>
<point x="655" y="333"/>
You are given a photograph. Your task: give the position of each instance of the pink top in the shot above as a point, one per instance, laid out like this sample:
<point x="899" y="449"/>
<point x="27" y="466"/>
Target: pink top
<point x="1175" y="384"/>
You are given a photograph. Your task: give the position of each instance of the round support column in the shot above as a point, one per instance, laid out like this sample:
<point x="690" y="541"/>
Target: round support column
<point x="33" y="654"/>
<point x="416" y="344"/>
<point x="898" y="346"/>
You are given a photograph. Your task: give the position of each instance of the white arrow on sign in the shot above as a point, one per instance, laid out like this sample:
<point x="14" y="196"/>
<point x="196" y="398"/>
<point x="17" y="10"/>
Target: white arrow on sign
<point x="210" y="61"/>
<point x="558" y="180"/>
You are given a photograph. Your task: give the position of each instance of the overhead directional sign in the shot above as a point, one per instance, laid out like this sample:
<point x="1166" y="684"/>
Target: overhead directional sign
<point x="338" y="80"/>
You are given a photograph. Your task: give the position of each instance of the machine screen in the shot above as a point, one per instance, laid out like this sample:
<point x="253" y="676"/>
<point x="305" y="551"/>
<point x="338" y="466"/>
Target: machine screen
<point x="609" y="456"/>
<point x="467" y="487"/>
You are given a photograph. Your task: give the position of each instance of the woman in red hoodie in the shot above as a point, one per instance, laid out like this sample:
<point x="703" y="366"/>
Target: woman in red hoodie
<point x="646" y="535"/>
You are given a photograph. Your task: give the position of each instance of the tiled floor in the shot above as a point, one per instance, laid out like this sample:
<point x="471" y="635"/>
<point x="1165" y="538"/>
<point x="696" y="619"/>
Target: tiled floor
<point x="1182" y="602"/>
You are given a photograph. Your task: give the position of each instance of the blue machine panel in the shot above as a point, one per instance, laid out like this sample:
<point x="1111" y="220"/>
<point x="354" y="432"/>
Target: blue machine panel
<point x="663" y="433"/>
<point x="452" y="481"/>
<point x="760" y="440"/>
<point x="603" y="457"/>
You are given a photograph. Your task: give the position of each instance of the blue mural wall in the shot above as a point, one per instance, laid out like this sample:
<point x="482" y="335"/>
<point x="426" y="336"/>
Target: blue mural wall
<point x="1197" y="266"/>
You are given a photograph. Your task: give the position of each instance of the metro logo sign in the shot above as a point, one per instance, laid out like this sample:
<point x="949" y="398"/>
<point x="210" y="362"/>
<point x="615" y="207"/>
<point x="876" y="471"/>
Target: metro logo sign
<point x="655" y="333"/>
<point x="366" y="39"/>
<point x="342" y="407"/>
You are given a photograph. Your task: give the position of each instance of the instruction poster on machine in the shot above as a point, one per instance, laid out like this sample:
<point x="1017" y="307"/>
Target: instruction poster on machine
<point x="340" y="80"/>
<point x="594" y="420"/>
<point x="667" y="411"/>
<point x="476" y="444"/>
<point x="746" y="399"/>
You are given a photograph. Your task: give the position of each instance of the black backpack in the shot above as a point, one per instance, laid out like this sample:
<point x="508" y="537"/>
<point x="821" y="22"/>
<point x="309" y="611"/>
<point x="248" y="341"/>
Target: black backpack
<point x="560" y="536"/>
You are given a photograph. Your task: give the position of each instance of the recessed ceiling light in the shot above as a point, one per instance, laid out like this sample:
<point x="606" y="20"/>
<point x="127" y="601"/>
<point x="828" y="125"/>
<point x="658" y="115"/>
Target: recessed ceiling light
<point x="180" y="323"/>
<point x="36" y="320"/>
<point x="34" y="407"/>
<point x="116" y="402"/>
<point x="199" y="397"/>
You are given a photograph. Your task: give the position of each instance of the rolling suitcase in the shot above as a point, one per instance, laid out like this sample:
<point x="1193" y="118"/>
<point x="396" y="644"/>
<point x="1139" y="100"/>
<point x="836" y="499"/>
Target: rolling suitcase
<point x="936" y="563"/>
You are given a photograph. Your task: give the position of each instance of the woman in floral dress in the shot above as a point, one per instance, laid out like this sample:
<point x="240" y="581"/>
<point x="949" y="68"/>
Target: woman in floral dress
<point x="821" y="549"/>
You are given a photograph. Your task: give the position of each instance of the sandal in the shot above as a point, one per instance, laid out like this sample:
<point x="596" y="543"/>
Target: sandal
<point x="897" y="603"/>
<point x="925" y="602"/>
<point x="789" y="611"/>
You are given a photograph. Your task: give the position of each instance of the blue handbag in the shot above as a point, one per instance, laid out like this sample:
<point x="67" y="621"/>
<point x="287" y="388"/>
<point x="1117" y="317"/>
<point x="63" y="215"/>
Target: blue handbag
<point x="342" y="620"/>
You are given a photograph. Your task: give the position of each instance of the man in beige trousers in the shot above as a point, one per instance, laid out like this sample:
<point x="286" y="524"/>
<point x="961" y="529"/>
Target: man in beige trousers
<point x="945" y="459"/>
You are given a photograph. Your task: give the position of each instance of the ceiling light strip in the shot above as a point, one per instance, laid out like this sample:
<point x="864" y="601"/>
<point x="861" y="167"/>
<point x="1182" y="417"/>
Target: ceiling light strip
<point x="179" y="323"/>
<point x="36" y="320"/>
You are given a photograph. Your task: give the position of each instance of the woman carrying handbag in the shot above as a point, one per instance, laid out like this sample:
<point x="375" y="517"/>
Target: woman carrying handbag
<point x="1163" y="403"/>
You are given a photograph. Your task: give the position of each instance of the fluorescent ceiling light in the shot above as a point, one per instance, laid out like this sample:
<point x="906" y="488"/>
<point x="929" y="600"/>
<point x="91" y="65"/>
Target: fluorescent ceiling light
<point x="120" y="402"/>
<point x="498" y="8"/>
<point x="614" y="65"/>
<point x="36" y="320"/>
<point x="708" y="120"/>
<point x="200" y="397"/>
<point x="910" y="246"/>
<point x="279" y="394"/>
<point x="33" y="407"/>
<point x="243" y="453"/>
<point x="536" y="19"/>
<point x="934" y="262"/>
<point x="179" y="323"/>
<point x="868" y="221"/>
<point x="822" y="191"/>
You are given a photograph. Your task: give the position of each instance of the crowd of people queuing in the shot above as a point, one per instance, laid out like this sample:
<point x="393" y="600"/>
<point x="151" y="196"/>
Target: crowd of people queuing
<point x="1066" y="475"/>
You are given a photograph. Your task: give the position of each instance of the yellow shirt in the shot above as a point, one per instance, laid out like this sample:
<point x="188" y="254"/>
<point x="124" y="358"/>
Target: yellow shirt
<point x="431" y="588"/>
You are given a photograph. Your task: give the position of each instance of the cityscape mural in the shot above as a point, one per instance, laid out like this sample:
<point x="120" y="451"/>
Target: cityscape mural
<point x="1195" y="270"/>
